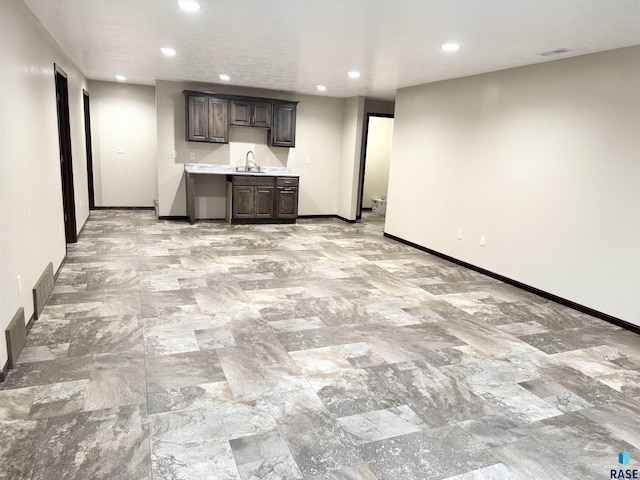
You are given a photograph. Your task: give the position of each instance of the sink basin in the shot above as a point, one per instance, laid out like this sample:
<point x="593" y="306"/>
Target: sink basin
<point x="252" y="169"/>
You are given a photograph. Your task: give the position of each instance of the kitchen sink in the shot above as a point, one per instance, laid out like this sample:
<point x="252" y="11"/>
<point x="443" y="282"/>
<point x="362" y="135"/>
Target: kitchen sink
<point x="250" y="169"/>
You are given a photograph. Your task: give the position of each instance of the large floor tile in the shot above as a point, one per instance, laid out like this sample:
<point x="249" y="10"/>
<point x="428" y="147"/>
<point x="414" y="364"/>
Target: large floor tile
<point x="427" y="454"/>
<point x="107" y="444"/>
<point x="319" y="350"/>
<point x="318" y="443"/>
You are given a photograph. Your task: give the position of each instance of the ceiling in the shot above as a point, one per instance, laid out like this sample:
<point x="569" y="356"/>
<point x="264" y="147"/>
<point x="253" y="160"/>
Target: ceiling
<point x="295" y="45"/>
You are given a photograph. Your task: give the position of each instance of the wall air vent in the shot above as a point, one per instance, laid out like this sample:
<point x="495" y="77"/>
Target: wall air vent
<point x="554" y="52"/>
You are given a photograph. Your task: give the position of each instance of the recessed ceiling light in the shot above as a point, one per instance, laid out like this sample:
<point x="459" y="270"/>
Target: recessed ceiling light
<point x="169" y="52"/>
<point x="354" y="74"/>
<point x="189" y="5"/>
<point x="450" y="47"/>
<point x="321" y="88"/>
<point x="224" y="77"/>
<point x="120" y="78"/>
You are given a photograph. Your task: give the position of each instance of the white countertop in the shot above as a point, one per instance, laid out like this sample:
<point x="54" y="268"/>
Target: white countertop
<point x="215" y="169"/>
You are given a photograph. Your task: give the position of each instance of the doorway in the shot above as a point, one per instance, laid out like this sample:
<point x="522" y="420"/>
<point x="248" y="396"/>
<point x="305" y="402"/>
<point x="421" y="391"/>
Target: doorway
<point x="374" y="167"/>
<point x="87" y="141"/>
<point x="66" y="164"/>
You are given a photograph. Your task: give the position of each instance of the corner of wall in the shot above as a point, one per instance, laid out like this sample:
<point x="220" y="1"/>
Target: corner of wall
<point x="352" y="126"/>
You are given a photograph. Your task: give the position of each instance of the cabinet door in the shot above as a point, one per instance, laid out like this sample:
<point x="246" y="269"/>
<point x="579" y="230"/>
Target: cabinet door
<point x="287" y="203"/>
<point x="240" y="113"/>
<point x="197" y="119"/>
<point x="264" y="202"/>
<point x="283" y="131"/>
<point x="218" y="120"/>
<point x="243" y="202"/>
<point x="261" y="114"/>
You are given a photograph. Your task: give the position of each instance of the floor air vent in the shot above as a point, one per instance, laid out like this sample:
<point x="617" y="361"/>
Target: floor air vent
<point x="16" y="334"/>
<point x="43" y="289"/>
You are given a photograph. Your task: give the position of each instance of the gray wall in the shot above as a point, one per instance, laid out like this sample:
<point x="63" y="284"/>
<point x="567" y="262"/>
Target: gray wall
<point x="544" y="160"/>
<point x="123" y="115"/>
<point x="31" y="215"/>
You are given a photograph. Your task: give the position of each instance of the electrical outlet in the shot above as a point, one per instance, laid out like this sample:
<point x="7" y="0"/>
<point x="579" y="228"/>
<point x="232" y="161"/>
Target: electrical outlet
<point x="19" y="280"/>
<point x="459" y="234"/>
<point x="192" y="156"/>
<point x="483" y="240"/>
<point x="120" y="150"/>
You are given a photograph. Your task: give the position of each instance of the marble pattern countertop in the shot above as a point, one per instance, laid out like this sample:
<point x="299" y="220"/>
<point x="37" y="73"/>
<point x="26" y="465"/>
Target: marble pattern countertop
<point x="215" y="169"/>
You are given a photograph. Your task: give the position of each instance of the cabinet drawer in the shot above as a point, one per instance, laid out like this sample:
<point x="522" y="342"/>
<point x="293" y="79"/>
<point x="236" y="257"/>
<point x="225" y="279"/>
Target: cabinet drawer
<point x="253" y="180"/>
<point x="287" y="181"/>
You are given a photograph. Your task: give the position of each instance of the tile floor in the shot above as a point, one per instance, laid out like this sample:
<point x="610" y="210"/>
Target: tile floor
<point x="320" y="350"/>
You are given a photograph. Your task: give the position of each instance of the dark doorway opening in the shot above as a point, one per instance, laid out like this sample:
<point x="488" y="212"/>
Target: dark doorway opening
<point x="363" y="160"/>
<point x="87" y="140"/>
<point x="66" y="164"/>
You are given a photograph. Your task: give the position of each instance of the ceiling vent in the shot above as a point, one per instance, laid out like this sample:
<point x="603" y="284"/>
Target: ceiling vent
<point x="554" y="52"/>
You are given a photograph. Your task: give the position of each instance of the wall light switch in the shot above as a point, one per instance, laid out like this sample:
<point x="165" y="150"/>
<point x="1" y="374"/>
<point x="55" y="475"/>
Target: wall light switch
<point x="459" y="234"/>
<point x="192" y="156"/>
<point x="483" y="240"/>
<point x="19" y="280"/>
<point x="307" y="160"/>
<point x="175" y="154"/>
<point x="120" y="150"/>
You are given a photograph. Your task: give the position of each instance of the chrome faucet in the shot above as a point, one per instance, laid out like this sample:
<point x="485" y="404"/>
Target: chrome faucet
<point x="253" y="160"/>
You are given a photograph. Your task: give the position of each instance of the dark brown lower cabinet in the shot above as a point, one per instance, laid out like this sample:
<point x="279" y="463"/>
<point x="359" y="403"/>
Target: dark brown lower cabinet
<point x="287" y="202"/>
<point x="264" y="202"/>
<point x="287" y="197"/>
<point x="243" y="201"/>
<point x="257" y="199"/>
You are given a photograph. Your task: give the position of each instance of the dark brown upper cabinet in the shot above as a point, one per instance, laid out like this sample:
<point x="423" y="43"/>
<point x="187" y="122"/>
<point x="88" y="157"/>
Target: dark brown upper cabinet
<point x="197" y="119"/>
<point x="207" y="118"/>
<point x="283" y="130"/>
<point x="218" y="120"/>
<point x="249" y="113"/>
